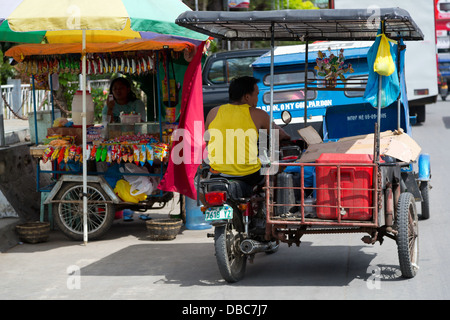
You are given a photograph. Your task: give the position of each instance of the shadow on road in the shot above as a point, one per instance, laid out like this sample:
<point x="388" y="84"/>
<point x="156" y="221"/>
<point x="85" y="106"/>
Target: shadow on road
<point x="194" y="264"/>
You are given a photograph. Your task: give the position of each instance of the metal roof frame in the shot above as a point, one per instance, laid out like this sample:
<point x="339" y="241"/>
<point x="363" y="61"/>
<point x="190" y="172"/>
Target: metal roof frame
<point x="314" y="25"/>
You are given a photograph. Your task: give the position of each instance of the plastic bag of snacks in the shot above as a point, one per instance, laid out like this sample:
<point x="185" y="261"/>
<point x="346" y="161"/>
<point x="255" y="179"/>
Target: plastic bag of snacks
<point x="123" y="190"/>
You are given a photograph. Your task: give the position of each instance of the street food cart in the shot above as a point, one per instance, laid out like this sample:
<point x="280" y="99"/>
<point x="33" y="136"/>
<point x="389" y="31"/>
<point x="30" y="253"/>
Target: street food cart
<point x="133" y="155"/>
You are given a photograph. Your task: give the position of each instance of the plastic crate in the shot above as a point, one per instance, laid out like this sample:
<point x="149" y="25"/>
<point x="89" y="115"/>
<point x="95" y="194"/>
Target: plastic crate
<point x="356" y="184"/>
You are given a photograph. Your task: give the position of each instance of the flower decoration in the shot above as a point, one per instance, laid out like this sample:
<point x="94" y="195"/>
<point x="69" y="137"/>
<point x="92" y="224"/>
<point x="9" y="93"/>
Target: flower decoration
<point x="333" y="66"/>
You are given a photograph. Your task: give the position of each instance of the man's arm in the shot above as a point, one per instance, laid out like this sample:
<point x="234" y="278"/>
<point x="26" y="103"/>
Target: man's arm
<point x="262" y="121"/>
<point x="283" y="135"/>
<point x="210" y="117"/>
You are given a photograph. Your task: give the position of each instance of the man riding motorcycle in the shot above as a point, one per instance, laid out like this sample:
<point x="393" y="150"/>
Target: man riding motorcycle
<point x="238" y="120"/>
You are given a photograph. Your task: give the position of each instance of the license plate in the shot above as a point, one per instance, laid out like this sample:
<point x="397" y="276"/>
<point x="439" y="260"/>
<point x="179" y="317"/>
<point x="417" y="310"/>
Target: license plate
<point x="219" y="213"/>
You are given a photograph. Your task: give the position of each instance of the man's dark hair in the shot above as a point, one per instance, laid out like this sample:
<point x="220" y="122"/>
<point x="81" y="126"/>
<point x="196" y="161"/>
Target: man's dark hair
<point x="241" y="86"/>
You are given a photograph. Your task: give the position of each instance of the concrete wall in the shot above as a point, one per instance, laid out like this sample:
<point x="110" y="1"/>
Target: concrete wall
<point x="18" y="181"/>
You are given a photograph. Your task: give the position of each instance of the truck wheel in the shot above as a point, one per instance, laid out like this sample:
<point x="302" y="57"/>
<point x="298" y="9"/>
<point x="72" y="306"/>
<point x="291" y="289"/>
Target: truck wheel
<point x="408" y="235"/>
<point x="69" y="212"/>
<point x="421" y="113"/>
<point x="424" y="190"/>
<point x="230" y="259"/>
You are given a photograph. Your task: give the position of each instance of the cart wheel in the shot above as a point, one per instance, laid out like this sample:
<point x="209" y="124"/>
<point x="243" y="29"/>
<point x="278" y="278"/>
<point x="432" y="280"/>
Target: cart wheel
<point x="424" y="190"/>
<point x="408" y="235"/>
<point x="230" y="259"/>
<point x="69" y="215"/>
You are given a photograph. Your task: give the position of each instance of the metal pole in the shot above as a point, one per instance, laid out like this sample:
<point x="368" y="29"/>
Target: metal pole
<point x="380" y="80"/>
<point x="305" y="117"/>
<point x="83" y="117"/>
<point x="2" y="126"/>
<point x="400" y="83"/>
<point x="51" y="97"/>
<point x="35" y="110"/>
<point x="272" y="59"/>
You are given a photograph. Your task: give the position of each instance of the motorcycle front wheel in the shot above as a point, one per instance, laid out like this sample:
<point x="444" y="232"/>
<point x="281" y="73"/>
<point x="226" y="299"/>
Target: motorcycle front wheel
<point x="230" y="259"/>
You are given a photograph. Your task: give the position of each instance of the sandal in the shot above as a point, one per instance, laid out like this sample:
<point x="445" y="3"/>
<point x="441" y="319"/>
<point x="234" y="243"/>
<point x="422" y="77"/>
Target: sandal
<point x="144" y="217"/>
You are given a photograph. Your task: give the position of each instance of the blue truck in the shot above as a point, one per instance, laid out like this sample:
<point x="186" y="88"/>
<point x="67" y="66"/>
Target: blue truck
<point x="289" y="82"/>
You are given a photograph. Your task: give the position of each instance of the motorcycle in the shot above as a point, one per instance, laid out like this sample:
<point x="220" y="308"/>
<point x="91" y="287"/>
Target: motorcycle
<point x="238" y="215"/>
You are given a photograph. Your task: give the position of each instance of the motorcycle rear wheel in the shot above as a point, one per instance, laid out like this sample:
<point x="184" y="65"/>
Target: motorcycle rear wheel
<point x="230" y="259"/>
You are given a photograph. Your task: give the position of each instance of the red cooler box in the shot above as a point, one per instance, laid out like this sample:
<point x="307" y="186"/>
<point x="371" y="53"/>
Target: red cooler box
<point x="352" y="177"/>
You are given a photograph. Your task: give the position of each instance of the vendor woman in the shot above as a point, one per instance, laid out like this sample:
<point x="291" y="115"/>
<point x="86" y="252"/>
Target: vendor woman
<point x="124" y="101"/>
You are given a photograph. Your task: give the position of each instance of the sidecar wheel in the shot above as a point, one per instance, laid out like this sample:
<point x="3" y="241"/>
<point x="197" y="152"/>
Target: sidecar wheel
<point x="408" y="235"/>
<point x="230" y="259"/>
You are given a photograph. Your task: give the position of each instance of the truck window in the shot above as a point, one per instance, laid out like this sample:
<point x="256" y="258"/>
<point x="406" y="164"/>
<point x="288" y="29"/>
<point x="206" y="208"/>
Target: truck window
<point x="223" y="71"/>
<point x="281" y="96"/>
<point x="288" y="78"/>
<point x="216" y="73"/>
<point x="238" y="67"/>
<point x="359" y="82"/>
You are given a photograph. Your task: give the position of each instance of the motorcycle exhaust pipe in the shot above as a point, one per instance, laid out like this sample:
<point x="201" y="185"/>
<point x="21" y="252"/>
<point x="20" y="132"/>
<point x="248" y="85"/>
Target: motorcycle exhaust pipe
<point x="249" y="246"/>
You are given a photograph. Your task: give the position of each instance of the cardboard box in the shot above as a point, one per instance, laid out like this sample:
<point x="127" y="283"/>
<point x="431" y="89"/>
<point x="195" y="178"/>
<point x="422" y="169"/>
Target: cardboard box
<point x="395" y="144"/>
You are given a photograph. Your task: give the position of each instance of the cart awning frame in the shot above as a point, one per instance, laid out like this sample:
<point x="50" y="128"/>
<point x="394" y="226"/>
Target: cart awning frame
<point x="289" y="25"/>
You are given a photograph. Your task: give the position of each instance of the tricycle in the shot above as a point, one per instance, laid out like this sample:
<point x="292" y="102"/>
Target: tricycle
<point x="326" y="189"/>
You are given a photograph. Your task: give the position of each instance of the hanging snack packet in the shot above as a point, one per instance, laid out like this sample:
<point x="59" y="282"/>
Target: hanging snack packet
<point x="157" y="153"/>
<point x="66" y="154"/>
<point x="124" y="151"/>
<point x="113" y="153"/>
<point x="72" y="151"/>
<point x="88" y="151"/>
<point x="94" y="152"/>
<point x="136" y="154"/>
<point x="119" y="154"/>
<point x="61" y="154"/>
<point x="98" y="154"/>
<point x="149" y="150"/>
<point x="47" y="154"/>
<point x="104" y="153"/>
<point x="79" y="154"/>
<point x="142" y="155"/>
<point x="109" y="155"/>
<point x="55" y="153"/>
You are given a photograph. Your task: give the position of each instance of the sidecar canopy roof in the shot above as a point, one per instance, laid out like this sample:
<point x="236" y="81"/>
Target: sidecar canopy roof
<point x="313" y="25"/>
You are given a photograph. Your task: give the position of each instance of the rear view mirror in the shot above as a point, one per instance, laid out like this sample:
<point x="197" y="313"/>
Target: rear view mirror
<point x="286" y="117"/>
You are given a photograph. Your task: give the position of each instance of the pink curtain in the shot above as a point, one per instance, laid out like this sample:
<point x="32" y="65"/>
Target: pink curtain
<point x="188" y="146"/>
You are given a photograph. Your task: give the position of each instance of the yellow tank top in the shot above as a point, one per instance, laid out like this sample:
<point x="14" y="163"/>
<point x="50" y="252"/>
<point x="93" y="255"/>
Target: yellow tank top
<point x="233" y="143"/>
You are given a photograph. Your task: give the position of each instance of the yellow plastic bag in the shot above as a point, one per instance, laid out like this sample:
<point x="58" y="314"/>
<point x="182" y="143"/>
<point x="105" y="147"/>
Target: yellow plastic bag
<point x="384" y="64"/>
<point x="122" y="189"/>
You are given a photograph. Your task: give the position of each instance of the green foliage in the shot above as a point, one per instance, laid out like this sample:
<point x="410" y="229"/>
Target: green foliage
<point x="6" y="70"/>
<point x="99" y="96"/>
<point x="299" y="4"/>
<point x="68" y="84"/>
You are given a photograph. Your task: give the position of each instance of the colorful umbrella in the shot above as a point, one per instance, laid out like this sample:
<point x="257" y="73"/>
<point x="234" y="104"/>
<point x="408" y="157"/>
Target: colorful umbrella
<point x="75" y="36"/>
<point x="88" y="15"/>
<point x="34" y="21"/>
